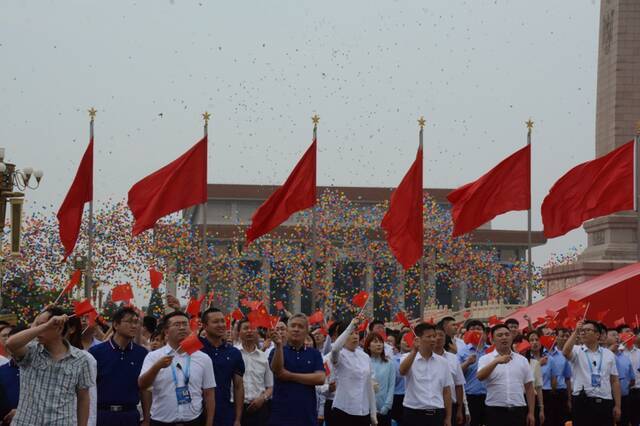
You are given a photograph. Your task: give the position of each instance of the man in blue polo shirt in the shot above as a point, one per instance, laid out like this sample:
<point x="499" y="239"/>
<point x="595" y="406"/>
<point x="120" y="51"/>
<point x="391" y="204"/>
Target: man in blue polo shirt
<point x="556" y="378"/>
<point x="228" y="368"/>
<point x="119" y="362"/>
<point x="475" y="390"/>
<point x="297" y="370"/>
<point x="9" y="385"/>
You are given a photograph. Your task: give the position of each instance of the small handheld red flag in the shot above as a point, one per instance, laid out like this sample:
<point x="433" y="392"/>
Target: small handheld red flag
<point x="194" y="323"/>
<point x="472" y="337"/>
<point x="191" y="344"/>
<point x="122" y="292"/>
<point x="523" y="346"/>
<point x="360" y="299"/>
<point x="363" y="326"/>
<point x="193" y="308"/>
<point x="547" y="342"/>
<point x="237" y="314"/>
<point x="627" y="339"/>
<point x="155" y="277"/>
<point x="316" y="317"/>
<point x="575" y="308"/>
<point x="409" y="338"/>
<point x="493" y="320"/>
<point x="402" y="318"/>
<point x="602" y="314"/>
<point x="279" y="305"/>
<point x="83" y="308"/>
<point x="619" y="322"/>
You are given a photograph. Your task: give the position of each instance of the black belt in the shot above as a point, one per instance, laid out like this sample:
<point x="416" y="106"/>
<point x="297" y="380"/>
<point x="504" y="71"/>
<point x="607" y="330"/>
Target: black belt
<point x="507" y="409"/>
<point x="426" y="412"/>
<point x="117" y="408"/>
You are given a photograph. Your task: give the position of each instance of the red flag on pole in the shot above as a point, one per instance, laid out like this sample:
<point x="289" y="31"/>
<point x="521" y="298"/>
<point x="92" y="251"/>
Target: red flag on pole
<point x="316" y="317"/>
<point x="155" y="277"/>
<point x="81" y="192"/>
<point x="297" y="193"/>
<point x="402" y="318"/>
<point x="83" y="308"/>
<point x="178" y="185"/>
<point x="122" y="292"/>
<point x="506" y="187"/>
<point x="592" y="189"/>
<point x="403" y="223"/>
<point x="191" y="344"/>
<point x="73" y="281"/>
<point x="360" y="299"/>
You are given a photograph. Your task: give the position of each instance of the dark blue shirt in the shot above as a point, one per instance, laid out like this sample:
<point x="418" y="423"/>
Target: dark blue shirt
<point x="227" y="362"/>
<point x="10" y="384"/>
<point x="294" y="404"/>
<point x="118" y="371"/>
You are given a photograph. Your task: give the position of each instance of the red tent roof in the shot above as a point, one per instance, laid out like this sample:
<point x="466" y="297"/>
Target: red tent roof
<point x="618" y="291"/>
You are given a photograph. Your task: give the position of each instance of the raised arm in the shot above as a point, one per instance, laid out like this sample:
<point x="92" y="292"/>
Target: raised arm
<point x="337" y="346"/>
<point x="17" y="343"/>
<point x="567" y="350"/>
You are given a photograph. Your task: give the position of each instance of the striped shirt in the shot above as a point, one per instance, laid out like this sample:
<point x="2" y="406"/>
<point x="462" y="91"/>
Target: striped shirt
<point x="48" y="388"/>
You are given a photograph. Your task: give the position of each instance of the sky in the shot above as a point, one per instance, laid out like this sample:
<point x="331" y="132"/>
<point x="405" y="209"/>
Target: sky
<point x="476" y="70"/>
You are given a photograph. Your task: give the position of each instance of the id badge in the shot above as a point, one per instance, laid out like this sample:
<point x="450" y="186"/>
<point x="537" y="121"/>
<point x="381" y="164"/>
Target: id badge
<point x="596" y="380"/>
<point x="183" y="395"/>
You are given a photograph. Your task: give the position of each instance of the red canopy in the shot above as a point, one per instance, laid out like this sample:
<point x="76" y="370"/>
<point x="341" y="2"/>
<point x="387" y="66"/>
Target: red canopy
<point x="618" y="291"/>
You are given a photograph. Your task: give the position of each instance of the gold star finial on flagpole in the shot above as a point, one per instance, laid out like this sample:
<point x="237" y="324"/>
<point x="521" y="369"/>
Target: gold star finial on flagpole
<point x="422" y="122"/>
<point x="529" y="124"/>
<point x="315" y="119"/>
<point x="92" y="113"/>
<point x="206" y="116"/>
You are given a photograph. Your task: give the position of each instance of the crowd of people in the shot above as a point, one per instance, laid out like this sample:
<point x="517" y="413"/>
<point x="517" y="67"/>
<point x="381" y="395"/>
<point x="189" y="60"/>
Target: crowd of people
<point x="69" y="370"/>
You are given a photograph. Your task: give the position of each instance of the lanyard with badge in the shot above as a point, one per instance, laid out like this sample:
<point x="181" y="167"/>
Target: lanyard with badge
<point x="182" y="392"/>
<point x="596" y="378"/>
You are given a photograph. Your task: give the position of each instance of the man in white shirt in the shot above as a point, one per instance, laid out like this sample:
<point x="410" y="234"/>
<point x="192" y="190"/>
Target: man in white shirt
<point x="427" y="398"/>
<point x="258" y="378"/>
<point x="596" y="389"/>
<point x="508" y="379"/>
<point x="634" y="392"/>
<point x="457" y="390"/>
<point x="182" y="385"/>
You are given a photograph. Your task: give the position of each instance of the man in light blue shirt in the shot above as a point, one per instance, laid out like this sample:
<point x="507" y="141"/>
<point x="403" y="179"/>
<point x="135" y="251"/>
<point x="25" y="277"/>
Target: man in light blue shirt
<point x="475" y="390"/>
<point x="556" y="376"/>
<point x="626" y="375"/>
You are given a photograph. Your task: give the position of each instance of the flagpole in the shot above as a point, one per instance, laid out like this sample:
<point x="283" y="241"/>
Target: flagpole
<point x="314" y="253"/>
<point x="88" y="279"/>
<point x="421" y="124"/>
<point x="529" y="124"/>
<point x="636" y="195"/>
<point x="203" y="267"/>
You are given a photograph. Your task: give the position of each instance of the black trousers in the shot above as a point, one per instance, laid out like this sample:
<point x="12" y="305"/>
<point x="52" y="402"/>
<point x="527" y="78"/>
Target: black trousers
<point x="506" y="416"/>
<point x="328" y="413"/>
<point x="592" y="411"/>
<point x="413" y="417"/>
<point x="384" y="420"/>
<point x="199" y="421"/>
<point x="556" y="409"/>
<point x="397" y="410"/>
<point x="117" y="418"/>
<point x="477" y="410"/>
<point x="626" y="408"/>
<point x="454" y="411"/>
<point x="258" y="417"/>
<point x="634" y="402"/>
<point x="340" y="418"/>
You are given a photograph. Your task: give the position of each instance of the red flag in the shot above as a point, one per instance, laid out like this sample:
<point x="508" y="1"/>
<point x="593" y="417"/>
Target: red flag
<point x="279" y="305"/>
<point x="472" y="337"/>
<point x="193" y="308"/>
<point x="493" y="320"/>
<point x="360" y="299"/>
<point x="81" y="192"/>
<point x="259" y="319"/>
<point x="363" y="326"/>
<point x="323" y="331"/>
<point x="83" y="308"/>
<point x="547" y="342"/>
<point x="409" y="338"/>
<point x="122" y="292"/>
<point x="570" y="322"/>
<point x="402" y="318"/>
<point x="178" y="185"/>
<point x="316" y="317"/>
<point x="553" y="324"/>
<point x="506" y="187"/>
<point x="191" y="344"/>
<point x="576" y="309"/>
<point x="592" y="189"/>
<point x="551" y="314"/>
<point x="523" y="346"/>
<point x="403" y="222"/>
<point x="627" y="339"/>
<point x="155" y="277"/>
<point x="297" y="193"/>
<point x="602" y="314"/>
<point x="73" y="281"/>
<point x="237" y="314"/>
<point x="194" y="323"/>
<point x="619" y="322"/>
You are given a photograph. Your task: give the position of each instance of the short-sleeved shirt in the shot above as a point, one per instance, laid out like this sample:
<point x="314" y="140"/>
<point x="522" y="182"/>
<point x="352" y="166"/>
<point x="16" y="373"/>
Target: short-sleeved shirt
<point x="400" y="383"/>
<point x="634" y="356"/>
<point x="505" y="384"/>
<point x="48" y="387"/>
<point x="10" y="386"/>
<point x="425" y="382"/>
<point x="164" y="406"/>
<point x="473" y="385"/>
<point x="557" y="366"/>
<point x="625" y="372"/>
<point x="227" y="362"/>
<point x="257" y="374"/>
<point x="584" y="362"/>
<point x="456" y="373"/>
<point x="118" y="371"/>
<point x="294" y="404"/>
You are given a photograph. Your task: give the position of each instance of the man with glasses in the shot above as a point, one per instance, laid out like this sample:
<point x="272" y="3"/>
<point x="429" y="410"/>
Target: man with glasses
<point x="596" y="389"/>
<point x="119" y="361"/>
<point x="182" y="385"/>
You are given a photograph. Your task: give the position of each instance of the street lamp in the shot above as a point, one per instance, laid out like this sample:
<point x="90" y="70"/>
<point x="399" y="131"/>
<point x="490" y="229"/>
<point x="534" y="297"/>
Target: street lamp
<point x="12" y="178"/>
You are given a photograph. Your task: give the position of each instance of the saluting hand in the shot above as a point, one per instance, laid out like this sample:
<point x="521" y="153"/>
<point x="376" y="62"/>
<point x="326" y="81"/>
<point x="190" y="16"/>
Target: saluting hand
<point x="503" y="359"/>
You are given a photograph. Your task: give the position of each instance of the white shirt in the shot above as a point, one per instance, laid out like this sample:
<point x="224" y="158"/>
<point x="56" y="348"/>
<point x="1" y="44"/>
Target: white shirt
<point x="164" y="406"/>
<point x="353" y="378"/>
<point x="328" y="366"/>
<point x="425" y="382"/>
<point x="388" y="350"/>
<point x="505" y="384"/>
<point x="93" y="391"/>
<point x="3" y="360"/>
<point x="456" y="373"/>
<point x="257" y="373"/>
<point x="634" y="356"/>
<point x="582" y="361"/>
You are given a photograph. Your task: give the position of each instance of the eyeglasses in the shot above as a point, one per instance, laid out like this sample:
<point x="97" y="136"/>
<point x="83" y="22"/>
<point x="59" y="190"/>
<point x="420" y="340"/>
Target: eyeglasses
<point x="180" y="324"/>
<point x="584" y="330"/>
